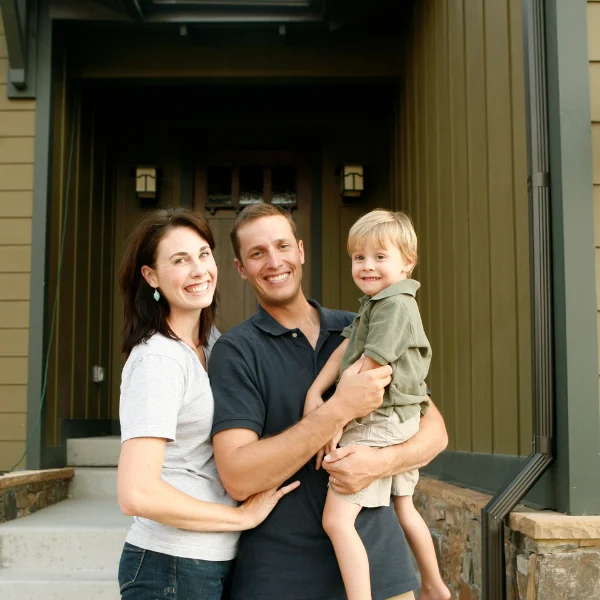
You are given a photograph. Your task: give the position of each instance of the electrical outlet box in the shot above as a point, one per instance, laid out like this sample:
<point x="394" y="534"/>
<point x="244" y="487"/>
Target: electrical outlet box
<point x="97" y="374"/>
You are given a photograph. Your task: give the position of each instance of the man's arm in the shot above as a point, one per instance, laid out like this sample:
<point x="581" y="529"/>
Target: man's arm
<point x="248" y="465"/>
<point x="355" y="467"/>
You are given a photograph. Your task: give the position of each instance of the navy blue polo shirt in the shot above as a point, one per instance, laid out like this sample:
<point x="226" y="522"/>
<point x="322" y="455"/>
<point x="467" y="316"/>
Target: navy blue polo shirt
<point x="260" y="373"/>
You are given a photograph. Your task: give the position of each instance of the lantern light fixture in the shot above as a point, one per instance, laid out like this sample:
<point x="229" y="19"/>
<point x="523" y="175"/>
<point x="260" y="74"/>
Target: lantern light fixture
<point x="146" y="183"/>
<point x="352" y="181"/>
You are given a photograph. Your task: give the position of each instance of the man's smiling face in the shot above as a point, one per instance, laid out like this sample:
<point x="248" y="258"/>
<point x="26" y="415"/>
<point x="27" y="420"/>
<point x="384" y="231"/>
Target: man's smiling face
<point x="271" y="260"/>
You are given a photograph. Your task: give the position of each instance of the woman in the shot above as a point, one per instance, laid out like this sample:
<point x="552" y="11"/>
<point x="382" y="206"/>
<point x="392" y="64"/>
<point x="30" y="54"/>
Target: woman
<point x="185" y="532"/>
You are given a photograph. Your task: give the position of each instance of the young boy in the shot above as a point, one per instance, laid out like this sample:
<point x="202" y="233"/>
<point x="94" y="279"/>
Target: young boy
<point x="387" y="330"/>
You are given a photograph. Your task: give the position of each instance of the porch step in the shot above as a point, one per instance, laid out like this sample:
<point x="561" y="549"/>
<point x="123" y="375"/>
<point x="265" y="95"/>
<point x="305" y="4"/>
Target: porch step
<point x="94" y="451"/>
<point x="71" y="537"/>
<point x="19" y="584"/>
<point x="94" y="483"/>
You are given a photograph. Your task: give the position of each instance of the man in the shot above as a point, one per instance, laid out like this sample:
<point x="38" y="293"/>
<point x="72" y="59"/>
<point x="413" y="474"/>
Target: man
<point x="260" y="372"/>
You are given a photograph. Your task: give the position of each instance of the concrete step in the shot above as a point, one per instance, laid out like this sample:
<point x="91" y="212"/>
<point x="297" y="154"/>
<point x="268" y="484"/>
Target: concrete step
<point x="19" y="584"/>
<point x="72" y="536"/>
<point x="94" y="483"/>
<point x="94" y="451"/>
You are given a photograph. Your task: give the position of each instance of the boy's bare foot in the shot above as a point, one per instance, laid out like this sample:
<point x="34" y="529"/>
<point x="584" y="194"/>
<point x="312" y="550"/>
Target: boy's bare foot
<point x="439" y="592"/>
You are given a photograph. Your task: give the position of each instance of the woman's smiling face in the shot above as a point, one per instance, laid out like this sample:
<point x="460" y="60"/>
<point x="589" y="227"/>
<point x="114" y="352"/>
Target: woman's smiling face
<point x="185" y="271"/>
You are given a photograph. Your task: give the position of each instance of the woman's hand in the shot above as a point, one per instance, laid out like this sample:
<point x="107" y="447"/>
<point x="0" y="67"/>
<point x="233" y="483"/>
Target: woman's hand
<point x="258" y="507"/>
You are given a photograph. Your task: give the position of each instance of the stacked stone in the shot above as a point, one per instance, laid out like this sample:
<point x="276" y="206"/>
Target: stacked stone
<point x="553" y="557"/>
<point x="453" y="515"/>
<point x="549" y="556"/>
<point x="25" y="492"/>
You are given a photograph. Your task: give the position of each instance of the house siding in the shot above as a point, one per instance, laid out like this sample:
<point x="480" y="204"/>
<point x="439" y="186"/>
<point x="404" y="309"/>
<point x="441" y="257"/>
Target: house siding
<point x="593" y="9"/>
<point x="17" y="124"/>
<point x="463" y="157"/>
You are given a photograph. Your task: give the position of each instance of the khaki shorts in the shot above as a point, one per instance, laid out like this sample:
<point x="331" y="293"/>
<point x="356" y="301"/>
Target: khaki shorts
<point x="379" y="431"/>
<point x="407" y="596"/>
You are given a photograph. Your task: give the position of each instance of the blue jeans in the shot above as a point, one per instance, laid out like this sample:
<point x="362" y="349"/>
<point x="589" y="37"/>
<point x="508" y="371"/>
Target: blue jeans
<point x="148" y="575"/>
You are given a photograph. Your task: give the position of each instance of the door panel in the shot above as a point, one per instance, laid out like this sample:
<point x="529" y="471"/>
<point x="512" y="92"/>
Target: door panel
<point x="237" y="300"/>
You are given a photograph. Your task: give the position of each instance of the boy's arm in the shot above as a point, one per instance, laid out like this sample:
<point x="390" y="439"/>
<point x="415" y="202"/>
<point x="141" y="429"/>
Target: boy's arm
<point x="355" y="467"/>
<point x="369" y="364"/>
<point x="326" y="378"/>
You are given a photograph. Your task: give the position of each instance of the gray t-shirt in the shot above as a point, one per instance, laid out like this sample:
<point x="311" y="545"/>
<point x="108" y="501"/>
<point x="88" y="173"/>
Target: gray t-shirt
<point x="165" y="393"/>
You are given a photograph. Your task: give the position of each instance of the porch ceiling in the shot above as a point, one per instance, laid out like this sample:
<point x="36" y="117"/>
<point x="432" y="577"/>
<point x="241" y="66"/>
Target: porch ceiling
<point x="328" y="14"/>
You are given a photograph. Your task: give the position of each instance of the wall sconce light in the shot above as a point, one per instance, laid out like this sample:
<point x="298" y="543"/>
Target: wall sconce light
<point x="146" y="185"/>
<point x="352" y="181"/>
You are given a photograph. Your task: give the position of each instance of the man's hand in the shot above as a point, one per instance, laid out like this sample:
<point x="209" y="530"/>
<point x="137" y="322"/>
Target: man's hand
<point x="359" y="394"/>
<point x="353" y="468"/>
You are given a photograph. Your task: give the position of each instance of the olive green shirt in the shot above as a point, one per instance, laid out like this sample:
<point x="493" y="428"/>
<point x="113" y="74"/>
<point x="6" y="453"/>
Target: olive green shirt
<point x="388" y="329"/>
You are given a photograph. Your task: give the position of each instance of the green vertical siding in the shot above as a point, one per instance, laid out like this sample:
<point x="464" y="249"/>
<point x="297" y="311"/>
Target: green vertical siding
<point x="464" y="182"/>
<point x="82" y="331"/>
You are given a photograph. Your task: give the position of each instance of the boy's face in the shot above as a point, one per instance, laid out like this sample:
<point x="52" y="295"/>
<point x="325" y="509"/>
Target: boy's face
<point x="375" y="268"/>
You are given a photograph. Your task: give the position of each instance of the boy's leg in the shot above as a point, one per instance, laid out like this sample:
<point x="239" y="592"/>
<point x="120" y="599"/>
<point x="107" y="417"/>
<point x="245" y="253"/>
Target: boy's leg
<point x="419" y="538"/>
<point x="407" y="596"/>
<point x="338" y="521"/>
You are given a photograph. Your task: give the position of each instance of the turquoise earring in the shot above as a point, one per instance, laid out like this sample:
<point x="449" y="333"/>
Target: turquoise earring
<point x="156" y="294"/>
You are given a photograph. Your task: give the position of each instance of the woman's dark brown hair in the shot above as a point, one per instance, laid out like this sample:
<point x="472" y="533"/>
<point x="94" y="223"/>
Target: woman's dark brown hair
<point x="144" y="316"/>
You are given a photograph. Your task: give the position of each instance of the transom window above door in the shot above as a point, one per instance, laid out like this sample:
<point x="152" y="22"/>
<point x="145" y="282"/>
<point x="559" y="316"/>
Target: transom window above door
<point x="233" y="187"/>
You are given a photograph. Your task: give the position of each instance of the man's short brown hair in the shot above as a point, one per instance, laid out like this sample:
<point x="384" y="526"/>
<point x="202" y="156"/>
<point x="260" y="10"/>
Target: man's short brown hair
<point x="254" y="212"/>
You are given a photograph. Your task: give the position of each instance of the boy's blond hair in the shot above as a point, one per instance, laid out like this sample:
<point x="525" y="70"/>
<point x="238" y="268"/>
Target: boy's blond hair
<point x="382" y="227"/>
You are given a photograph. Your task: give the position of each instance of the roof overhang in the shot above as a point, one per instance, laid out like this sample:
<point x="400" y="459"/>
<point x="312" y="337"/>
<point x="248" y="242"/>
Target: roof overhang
<point x="18" y="17"/>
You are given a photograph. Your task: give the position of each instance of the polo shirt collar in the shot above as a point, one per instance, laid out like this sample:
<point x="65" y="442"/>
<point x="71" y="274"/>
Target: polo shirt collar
<point x="404" y="286"/>
<point x="331" y="320"/>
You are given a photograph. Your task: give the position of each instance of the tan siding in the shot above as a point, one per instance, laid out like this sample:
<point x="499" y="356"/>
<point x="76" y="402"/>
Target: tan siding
<point x="3" y="70"/>
<point x="597" y="215"/>
<point x="11" y="452"/>
<point x="14" y="342"/>
<point x="13" y="370"/>
<point x="15" y="231"/>
<point x="467" y="194"/>
<point x="14" y="314"/>
<point x="596" y="151"/>
<point x="16" y="204"/>
<point x="13" y="398"/>
<point x="14" y="286"/>
<point x="17" y="123"/>
<point x="15" y="259"/>
<point x="593" y="10"/>
<point x="16" y="150"/>
<point x="595" y="90"/>
<point x="13" y="427"/>
<point x="16" y="177"/>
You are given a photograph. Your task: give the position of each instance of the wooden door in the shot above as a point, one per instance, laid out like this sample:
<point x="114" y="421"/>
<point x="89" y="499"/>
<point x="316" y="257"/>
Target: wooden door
<point x="223" y="185"/>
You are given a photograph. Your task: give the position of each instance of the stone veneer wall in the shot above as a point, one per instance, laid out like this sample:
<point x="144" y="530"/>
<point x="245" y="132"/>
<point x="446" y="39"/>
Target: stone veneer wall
<point x="25" y="492"/>
<point x="549" y="556"/>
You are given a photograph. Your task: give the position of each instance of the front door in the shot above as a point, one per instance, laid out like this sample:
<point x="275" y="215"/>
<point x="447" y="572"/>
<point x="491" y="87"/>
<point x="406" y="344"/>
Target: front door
<point x="223" y="185"/>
